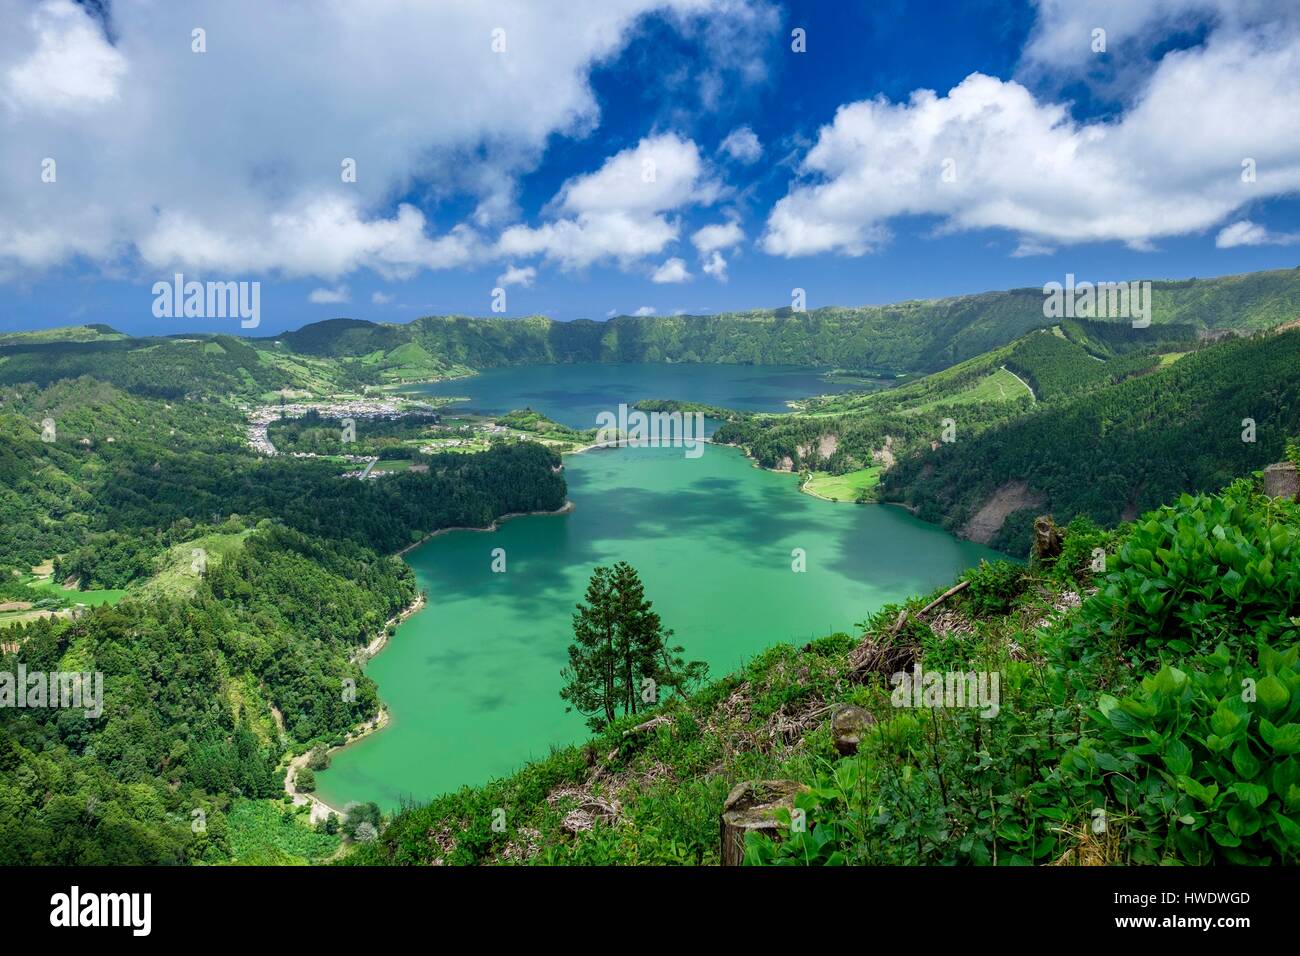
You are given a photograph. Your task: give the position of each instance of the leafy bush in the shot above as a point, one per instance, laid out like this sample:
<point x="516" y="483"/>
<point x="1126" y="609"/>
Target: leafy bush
<point x="1203" y="761"/>
<point x="1211" y="567"/>
<point x="993" y="587"/>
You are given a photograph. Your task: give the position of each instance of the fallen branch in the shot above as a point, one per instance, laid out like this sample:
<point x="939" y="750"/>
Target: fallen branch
<point x="959" y="586"/>
<point x="898" y="623"/>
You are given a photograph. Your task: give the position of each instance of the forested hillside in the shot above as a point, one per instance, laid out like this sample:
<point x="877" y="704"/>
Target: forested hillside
<point x="201" y="697"/>
<point x="912" y="336"/>
<point x="144" y="474"/>
<point x="1112" y="452"/>
<point x="1102" y="421"/>
<point x="214" y="667"/>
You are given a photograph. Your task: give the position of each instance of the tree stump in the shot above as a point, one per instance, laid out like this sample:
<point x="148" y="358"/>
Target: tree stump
<point x="847" y="727"/>
<point x="1047" y="540"/>
<point x="752" y="805"/>
<point x="1281" y="481"/>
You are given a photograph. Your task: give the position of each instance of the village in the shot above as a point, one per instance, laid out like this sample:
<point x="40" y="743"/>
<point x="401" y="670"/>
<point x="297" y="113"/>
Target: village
<point x="368" y="409"/>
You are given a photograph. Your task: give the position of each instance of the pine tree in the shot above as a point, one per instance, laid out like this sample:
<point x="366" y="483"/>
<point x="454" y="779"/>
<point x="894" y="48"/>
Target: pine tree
<point x="620" y="643"/>
<point x="589" y="678"/>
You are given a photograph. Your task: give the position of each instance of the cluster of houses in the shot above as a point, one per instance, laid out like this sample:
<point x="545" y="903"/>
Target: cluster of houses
<point x="259" y="420"/>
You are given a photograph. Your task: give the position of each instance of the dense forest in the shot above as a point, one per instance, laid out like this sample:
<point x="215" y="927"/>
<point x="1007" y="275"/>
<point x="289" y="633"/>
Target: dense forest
<point x="1098" y="420"/>
<point x="212" y="672"/>
<point x="201" y="698"/>
<point x="1112" y="452"/>
<point x="140" y="475"/>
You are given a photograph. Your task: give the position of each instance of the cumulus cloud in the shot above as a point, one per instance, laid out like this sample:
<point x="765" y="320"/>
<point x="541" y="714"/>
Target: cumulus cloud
<point x="1247" y="233"/>
<point x="988" y="154"/>
<point x="523" y="276"/>
<point x="673" y="270"/>
<point x="1061" y="39"/>
<point x="230" y="161"/>
<point x="721" y="235"/>
<point x="715" y="264"/>
<point x="645" y="310"/>
<point x="71" y="68"/>
<point x="381" y="298"/>
<point x="620" y="211"/>
<point x="330" y="296"/>
<point x="742" y="145"/>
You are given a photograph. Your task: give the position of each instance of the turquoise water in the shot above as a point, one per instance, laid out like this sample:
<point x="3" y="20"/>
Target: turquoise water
<point x="472" y="681"/>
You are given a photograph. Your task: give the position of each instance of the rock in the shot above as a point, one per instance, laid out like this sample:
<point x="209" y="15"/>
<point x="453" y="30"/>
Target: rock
<point x="752" y="805"/>
<point x="847" y="727"/>
<point x="1281" y="481"/>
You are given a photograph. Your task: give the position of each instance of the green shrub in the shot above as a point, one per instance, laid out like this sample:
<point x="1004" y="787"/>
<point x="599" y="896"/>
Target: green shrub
<point x="1210" y="568"/>
<point x="1202" y="760"/>
<point x="994" y="586"/>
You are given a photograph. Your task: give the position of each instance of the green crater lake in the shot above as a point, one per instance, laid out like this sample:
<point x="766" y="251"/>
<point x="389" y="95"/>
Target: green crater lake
<point x="472" y="682"/>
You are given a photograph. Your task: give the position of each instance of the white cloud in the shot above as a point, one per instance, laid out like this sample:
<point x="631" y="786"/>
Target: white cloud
<point x="381" y="298"/>
<point x="1061" y="39"/>
<point x="673" y="270"/>
<point x="1031" y="247"/>
<point x="715" y="264"/>
<point x="229" y="161"/>
<point x="645" y="310"/>
<point x="1247" y="233"/>
<point x="619" y="212"/>
<point x="742" y="145"/>
<point x="523" y="276"/>
<point x="330" y="296"/>
<point x="1026" y="166"/>
<point x="721" y="235"/>
<point x="72" y="67"/>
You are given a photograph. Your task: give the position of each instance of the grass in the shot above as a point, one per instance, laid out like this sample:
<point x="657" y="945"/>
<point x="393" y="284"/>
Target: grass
<point x="10" y="618"/>
<point x="73" y="596"/>
<point x="843" y="487"/>
<point x="177" y="577"/>
<point x="1169" y="358"/>
<point x="260" y="836"/>
<point x="998" y="386"/>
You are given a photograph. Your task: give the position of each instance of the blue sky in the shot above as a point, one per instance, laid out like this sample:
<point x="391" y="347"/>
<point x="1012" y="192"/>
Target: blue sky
<point x="524" y="167"/>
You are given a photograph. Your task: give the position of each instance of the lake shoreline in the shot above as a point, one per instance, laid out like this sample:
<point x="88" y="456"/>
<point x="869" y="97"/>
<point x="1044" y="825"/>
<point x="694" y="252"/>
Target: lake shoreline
<point x="564" y="509"/>
<point x="320" y="806"/>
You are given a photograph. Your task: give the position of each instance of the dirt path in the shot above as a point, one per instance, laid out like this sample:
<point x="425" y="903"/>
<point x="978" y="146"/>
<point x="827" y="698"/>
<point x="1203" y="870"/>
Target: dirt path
<point x="1032" y="396"/>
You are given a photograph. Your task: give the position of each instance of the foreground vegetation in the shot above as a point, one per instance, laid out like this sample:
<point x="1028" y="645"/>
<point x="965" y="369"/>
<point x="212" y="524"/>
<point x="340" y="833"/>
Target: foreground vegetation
<point x="1148" y="713"/>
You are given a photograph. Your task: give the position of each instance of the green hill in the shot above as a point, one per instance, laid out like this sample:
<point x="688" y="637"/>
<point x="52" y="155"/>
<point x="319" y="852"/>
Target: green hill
<point x="909" y="336"/>
<point x="1115" y="450"/>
